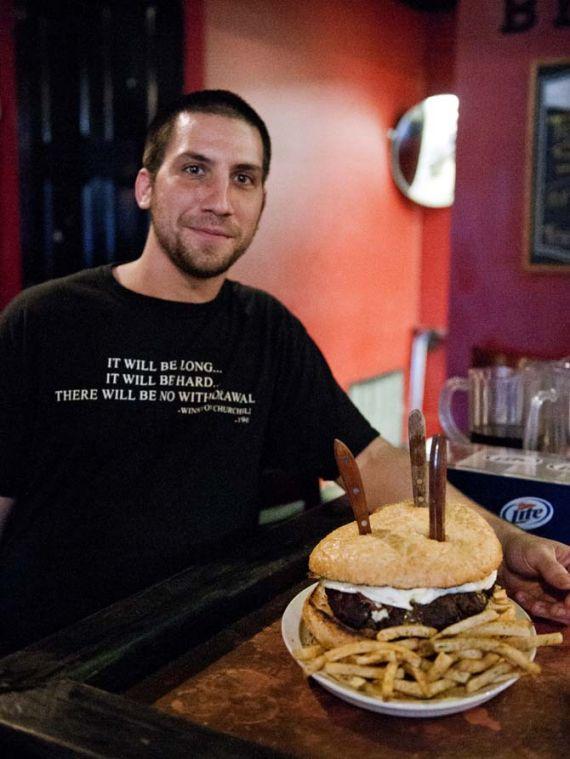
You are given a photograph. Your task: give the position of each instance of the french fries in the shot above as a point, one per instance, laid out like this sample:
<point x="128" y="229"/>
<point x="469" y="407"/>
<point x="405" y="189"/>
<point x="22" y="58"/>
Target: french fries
<point x="309" y="652"/>
<point x="417" y="662"/>
<point x="389" y="679"/>
<point x="406" y="631"/>
<point x="533" y="641"/>
<point x="439" y="667"/>
<point x="488" y="615"/>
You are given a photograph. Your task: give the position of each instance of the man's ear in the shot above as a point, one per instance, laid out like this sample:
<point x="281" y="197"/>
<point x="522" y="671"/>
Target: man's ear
<point x="143" y="189"/>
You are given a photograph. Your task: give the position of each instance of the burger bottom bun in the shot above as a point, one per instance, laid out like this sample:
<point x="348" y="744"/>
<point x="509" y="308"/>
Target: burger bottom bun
<point x="320" y="624"/>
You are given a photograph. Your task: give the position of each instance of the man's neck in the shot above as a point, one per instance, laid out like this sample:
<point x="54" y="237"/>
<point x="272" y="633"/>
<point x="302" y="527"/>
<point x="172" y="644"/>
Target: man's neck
<point x="160" y="278"/>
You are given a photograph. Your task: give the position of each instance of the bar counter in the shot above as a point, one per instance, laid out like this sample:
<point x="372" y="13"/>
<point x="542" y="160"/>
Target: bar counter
<point x="195" y="666"/>
<point x="256" y="691"/>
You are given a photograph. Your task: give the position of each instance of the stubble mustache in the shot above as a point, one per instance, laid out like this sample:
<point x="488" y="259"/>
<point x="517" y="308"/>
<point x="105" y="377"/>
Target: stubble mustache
<point x="211" y="223"/>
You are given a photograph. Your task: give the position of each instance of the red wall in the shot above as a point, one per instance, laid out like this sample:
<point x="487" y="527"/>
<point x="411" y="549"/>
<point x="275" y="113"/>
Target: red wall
<point x="338" y="243"/>
<point x="493" y="300"/>
<point x="10" y="269"/>
<point x="193" y="45"/>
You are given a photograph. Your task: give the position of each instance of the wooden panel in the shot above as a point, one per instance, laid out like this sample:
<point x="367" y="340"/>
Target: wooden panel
<point x="90" y="78"/>
<point x="45" y="708"/>
<point x="87" y="722"/>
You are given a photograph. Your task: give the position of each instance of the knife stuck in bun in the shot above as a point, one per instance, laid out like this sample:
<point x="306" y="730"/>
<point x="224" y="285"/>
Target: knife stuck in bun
<point x="403" y="564"/>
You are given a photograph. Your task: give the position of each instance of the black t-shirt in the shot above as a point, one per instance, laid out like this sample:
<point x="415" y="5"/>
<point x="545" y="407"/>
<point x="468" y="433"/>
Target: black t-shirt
<point x="133" y="431"/>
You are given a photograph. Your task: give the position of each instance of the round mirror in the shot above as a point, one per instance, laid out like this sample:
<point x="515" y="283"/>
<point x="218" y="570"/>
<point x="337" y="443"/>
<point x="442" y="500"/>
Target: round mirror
<point x="423" y="151"/>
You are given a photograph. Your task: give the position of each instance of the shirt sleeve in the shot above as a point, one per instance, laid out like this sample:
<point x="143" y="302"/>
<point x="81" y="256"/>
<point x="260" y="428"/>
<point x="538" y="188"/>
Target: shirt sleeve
<point x="12" y="401"/>
<point x="310" y="410"/>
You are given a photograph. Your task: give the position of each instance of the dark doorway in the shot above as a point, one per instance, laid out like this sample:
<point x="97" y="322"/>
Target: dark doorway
<point x="90" y="77"/>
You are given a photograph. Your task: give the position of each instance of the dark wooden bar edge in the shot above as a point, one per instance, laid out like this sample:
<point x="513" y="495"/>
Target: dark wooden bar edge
<point x="61" y="696"/>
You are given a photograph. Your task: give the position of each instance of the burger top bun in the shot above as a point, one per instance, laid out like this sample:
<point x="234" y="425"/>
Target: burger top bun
<point x="399" y="553"/>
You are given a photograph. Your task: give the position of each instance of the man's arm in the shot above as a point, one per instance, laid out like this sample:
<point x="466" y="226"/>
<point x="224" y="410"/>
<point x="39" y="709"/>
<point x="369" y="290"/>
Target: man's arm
<point x="5" y="506"/>
<point x="529" y="562"/>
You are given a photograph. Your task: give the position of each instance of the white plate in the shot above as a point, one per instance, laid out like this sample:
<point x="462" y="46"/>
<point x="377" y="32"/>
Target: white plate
<point x="290" y="629"/>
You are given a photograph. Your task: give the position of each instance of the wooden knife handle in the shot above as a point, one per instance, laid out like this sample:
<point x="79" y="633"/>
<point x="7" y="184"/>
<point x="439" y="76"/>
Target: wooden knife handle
<point x="437" y="483"/>
<point x="417" y="440"/>
<point x="350" y="474"/>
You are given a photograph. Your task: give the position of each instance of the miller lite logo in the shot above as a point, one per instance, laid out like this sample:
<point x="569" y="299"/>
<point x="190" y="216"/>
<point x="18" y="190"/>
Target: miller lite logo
<point x="528" y="512"/>
<point x="513" y="459"/>
<point x="559" y="468"/>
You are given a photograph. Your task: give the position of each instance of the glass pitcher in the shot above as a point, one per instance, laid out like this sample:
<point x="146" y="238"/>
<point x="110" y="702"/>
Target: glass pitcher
<point x="547" y="427"/>
<point x="496" y="397"/>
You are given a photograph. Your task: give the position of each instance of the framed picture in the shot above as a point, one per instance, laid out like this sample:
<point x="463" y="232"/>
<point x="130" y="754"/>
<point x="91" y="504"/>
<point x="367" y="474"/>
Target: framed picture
<point x="547" y="228"/>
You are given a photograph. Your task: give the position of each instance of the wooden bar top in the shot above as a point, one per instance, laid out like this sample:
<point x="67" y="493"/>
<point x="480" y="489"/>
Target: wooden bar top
<point x="257" y="692"/>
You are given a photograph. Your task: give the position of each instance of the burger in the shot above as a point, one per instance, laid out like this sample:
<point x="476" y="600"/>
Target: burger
<point x="396" y="575"/>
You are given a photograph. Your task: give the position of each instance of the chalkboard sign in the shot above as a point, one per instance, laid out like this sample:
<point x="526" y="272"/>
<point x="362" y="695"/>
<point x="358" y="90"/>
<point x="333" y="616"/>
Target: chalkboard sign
<point x="548" y="230"/>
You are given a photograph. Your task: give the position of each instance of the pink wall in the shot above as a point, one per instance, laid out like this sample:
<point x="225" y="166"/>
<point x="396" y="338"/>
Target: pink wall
<point x="338" y="243"/>
<point x="493" y="300"/>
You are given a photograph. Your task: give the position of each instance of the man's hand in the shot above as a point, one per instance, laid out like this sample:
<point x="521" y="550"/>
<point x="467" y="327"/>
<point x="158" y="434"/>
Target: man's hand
<point x="536" y="573"/>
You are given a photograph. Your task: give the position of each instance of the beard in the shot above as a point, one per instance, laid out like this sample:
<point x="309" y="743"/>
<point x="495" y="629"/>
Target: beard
<point x="203" y="261"/>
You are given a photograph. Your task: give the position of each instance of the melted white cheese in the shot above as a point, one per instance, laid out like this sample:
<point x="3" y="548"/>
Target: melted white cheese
<point x="403" y="598"/>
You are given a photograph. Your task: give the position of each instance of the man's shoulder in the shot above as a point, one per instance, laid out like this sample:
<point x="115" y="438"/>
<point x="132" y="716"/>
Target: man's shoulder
<point x="257" y="302"/>
<point x="59" y="291"/>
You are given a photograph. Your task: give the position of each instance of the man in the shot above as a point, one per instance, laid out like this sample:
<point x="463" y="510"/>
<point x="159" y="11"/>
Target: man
<point x="139" y="403"/>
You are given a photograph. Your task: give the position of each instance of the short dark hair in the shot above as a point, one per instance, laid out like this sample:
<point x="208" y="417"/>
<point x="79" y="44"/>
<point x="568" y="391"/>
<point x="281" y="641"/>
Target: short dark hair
<point x="220" y="102"/>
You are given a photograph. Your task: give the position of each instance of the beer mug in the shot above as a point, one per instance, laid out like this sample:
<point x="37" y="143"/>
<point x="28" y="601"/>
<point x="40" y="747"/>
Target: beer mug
<point x="496" y="396"/>
<point x="547" y="427"/>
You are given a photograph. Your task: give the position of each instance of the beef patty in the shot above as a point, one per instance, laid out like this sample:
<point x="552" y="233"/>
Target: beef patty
<point x="360" y="613"/>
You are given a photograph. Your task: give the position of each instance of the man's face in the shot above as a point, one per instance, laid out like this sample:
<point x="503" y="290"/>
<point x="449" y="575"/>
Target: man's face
<point x="206" y="198"/>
